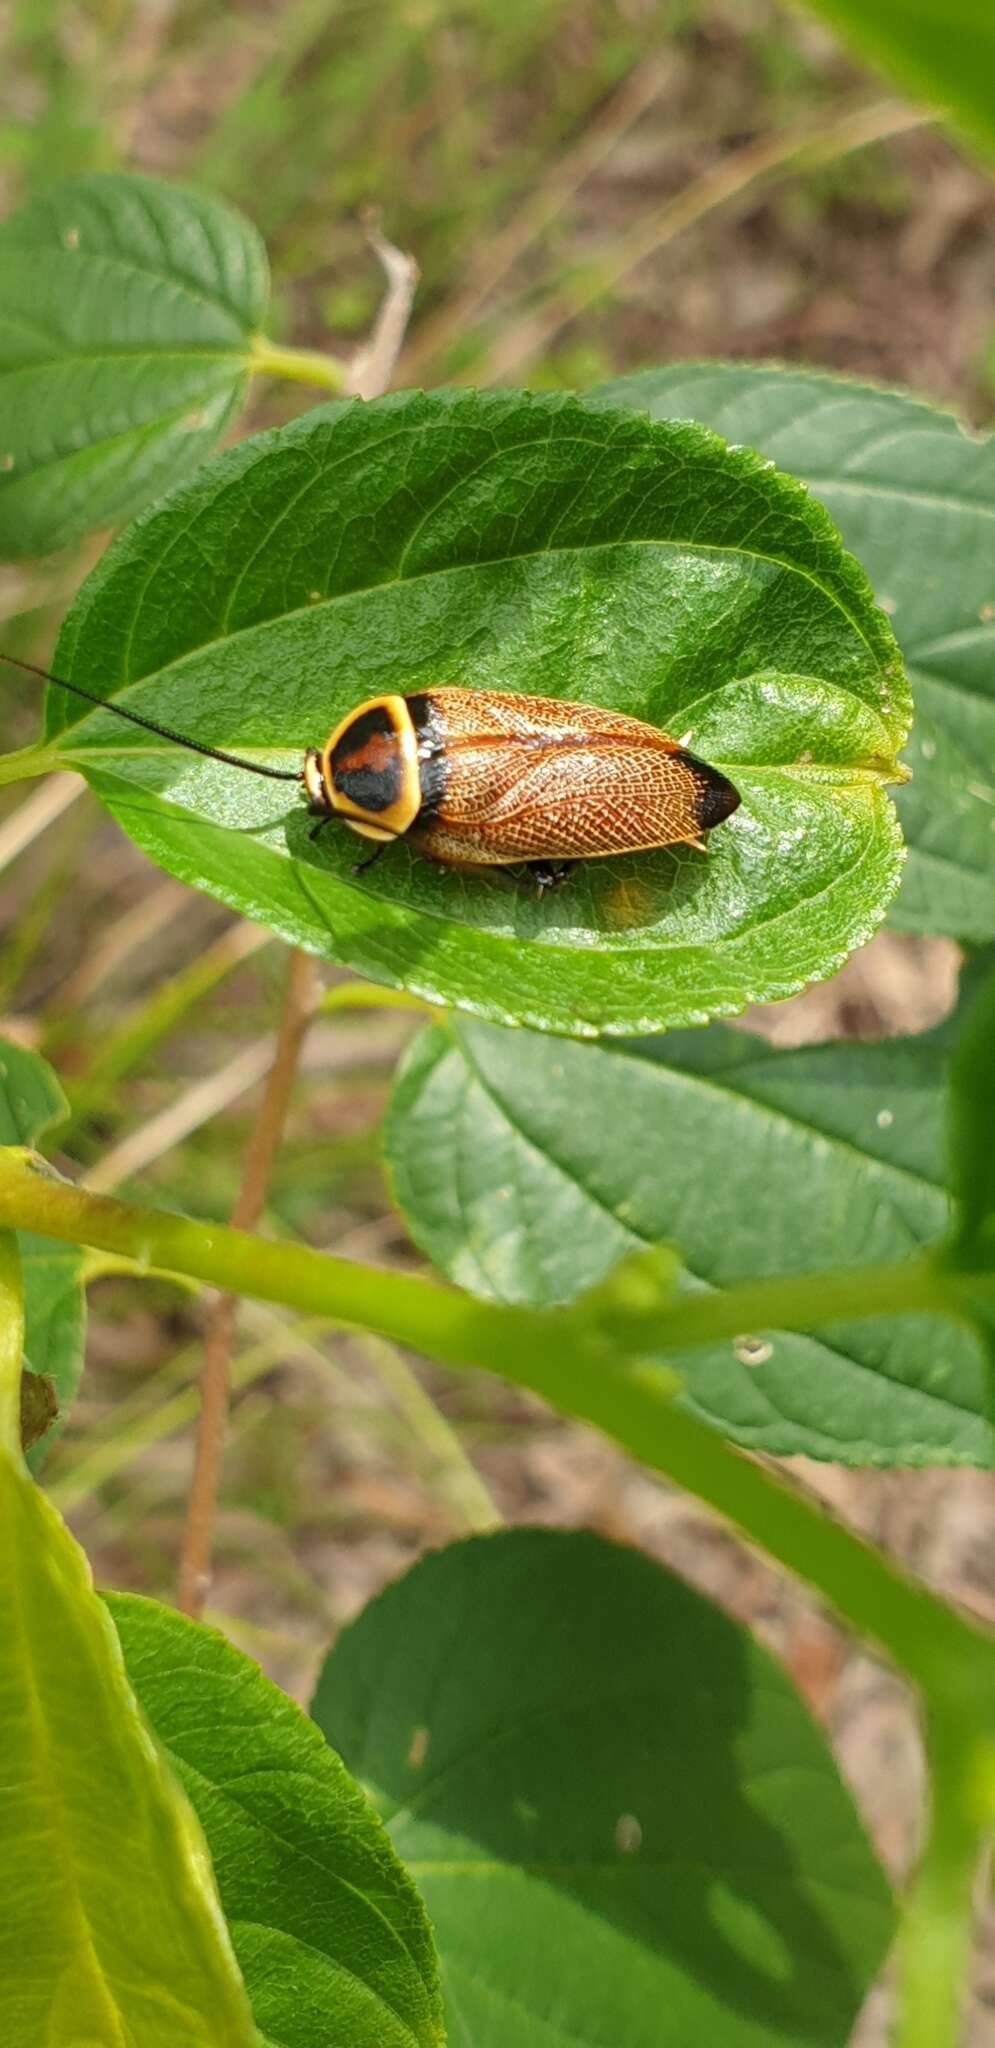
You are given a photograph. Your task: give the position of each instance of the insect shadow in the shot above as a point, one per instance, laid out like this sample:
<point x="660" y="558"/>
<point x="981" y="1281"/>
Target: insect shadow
<point x="623" y="895"/>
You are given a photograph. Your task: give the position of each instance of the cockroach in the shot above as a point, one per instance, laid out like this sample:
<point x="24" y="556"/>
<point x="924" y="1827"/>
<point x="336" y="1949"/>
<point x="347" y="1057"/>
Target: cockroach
<point x="484" y="778"/>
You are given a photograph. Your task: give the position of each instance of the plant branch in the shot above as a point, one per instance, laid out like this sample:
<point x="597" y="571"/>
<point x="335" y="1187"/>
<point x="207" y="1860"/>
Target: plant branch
<point x="937" y="1921"/>
<point x="11" y="1344"/>
<point x="551" y="1353"/>
<point x="300" y="996"/>
<point x="297" y="365"/>
<point x="372" y="368"/>
<point x="800" y="1301"/>
<point x="28" y="761"/>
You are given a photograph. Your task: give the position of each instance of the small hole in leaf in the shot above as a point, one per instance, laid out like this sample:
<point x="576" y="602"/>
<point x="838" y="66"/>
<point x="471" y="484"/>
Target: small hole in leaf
<point x="628" y="1835"/>
<point x="417" y="1748"/>
<point x="71" y="238"/>
<point x="753" y="1350"/>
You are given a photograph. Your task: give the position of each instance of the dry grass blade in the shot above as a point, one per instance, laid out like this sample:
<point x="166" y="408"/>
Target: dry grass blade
<point x="157" y="1137"/>
<point x="809" y="145"/>
<point x="34" y="816"/>
<point x="498" y="254"/>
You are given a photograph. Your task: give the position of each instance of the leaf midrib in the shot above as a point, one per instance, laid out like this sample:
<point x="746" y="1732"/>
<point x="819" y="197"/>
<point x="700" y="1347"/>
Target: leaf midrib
<point x="152" y="351"/>
<point x="300" y="1853"/>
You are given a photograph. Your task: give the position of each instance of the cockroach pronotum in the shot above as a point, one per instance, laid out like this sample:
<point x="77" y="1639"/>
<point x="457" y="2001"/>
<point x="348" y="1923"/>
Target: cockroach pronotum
<point x="484" y="778"/>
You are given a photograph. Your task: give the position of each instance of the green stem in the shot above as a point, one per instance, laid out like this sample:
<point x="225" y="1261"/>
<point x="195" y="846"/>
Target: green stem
<point x="28" y="761"/>
<point x="300" y="365"/>
<point x="935" y="1937"/>
<point x="11" y="1344"/>
<point x="552" y="1354"/>
<point x="368" y="995"/>
<point x="799" y="1301"/>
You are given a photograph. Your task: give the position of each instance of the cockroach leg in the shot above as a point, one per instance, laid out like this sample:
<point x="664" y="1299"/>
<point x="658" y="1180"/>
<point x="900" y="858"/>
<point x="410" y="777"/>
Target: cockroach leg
<point x="360" y="866"/>
<point x="549" y="874"/>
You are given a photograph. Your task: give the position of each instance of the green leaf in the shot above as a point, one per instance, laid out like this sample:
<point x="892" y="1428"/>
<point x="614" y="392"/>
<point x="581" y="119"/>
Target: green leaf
<point x="972" y="1135"/>
<point x="110" y="1929"/>
<point x="625" y="1826"/>
<point x="128" y="313"/>
<point x="515" y="543"/>
<point x="914" y="496"/>
<point x="31" y="1100"/>
<point x="329" y="1931"/>
<point x="942" y="54"/>
<point x="526" y="1167"/>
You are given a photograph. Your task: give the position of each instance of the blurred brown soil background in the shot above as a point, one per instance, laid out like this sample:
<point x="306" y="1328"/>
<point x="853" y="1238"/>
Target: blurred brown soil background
<point x="513" y="148"/>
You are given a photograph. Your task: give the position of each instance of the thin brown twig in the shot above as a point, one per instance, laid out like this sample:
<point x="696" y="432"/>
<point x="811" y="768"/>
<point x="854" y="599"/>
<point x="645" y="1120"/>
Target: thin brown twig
<point x="300" y="998"/>
<point x="806" y="146"/>
<point x="372" y="368"/>
<point x="497" y="255"/>
<point x="370" y="375"/>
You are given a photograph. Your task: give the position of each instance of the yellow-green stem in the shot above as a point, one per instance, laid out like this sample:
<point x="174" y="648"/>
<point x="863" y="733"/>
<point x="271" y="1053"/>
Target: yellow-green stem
<point x="299" y="365"/>
<point x="558" y="1355"/>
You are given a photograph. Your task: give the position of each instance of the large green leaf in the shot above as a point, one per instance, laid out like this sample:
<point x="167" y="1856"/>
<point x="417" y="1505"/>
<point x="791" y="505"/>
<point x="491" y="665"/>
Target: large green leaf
<point x="110" y="1929"/>
<point x="529" y="544"/>
<point x="330" y="1933"/>
<point x="127" y="309"/>
<point x="627" y="1830"/>
<point x="526" y="1168"/>
<point x="54" y="1302"/>
<point x="943" y="51"/>
<point x="914" y="497"/>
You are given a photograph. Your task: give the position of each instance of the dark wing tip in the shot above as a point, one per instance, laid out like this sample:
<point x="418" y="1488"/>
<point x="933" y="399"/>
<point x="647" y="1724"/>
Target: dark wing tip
<point x="716" y="799"/>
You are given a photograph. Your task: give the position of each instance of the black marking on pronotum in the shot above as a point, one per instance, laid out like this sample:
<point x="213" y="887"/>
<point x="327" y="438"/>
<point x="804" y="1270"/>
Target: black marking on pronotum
<point x="366" y="762"/>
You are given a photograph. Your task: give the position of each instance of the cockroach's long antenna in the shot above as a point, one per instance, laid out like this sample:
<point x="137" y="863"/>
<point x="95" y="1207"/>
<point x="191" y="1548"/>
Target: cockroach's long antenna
<point x="164" y="732"/>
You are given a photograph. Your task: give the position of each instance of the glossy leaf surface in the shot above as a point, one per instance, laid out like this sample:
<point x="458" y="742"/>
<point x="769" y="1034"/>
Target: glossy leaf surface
<point x="54" y="1303"/>
<point x="507" y="543"/>
<point x="913" y="495"/>
<point x="126" y="317"/>
<point x="526" y="1168"/>
<point x="331" y="1936"/>
<point x="624" y="1824"/>
<point x="110" y="1929"/>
